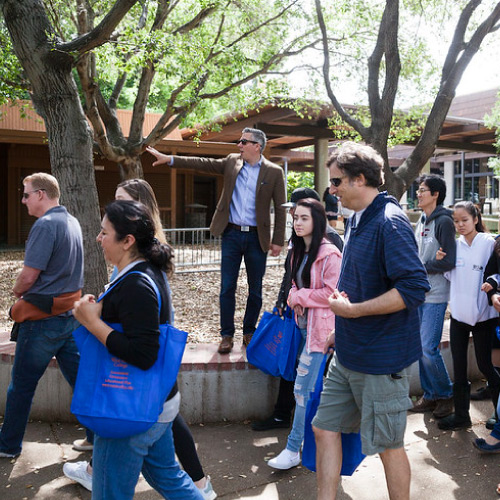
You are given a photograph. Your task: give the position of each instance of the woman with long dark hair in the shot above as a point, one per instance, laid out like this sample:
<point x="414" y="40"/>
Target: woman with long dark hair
<point x="128" y="241"/>
<point x="470" y="312"/>
<point x="185" y="448"/>
<point x="315" y="271"/>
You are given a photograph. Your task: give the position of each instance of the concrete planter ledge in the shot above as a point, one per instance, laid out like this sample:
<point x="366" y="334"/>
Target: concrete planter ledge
<point x="214" y="387"/>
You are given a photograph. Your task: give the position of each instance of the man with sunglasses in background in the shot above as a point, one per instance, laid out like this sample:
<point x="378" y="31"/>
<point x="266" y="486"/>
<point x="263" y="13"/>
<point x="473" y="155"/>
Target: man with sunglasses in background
<point x="243" y="219"/>
<point x="47" y="287"/>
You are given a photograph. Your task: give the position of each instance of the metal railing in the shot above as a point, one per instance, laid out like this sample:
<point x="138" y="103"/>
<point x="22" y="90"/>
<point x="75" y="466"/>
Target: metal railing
<point x="195" y="250"/>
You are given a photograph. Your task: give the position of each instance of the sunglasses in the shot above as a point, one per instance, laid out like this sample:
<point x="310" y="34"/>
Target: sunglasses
<point x="246" y="141"/>
<point x="27" y="194"/>
<point x="336" y="181"/>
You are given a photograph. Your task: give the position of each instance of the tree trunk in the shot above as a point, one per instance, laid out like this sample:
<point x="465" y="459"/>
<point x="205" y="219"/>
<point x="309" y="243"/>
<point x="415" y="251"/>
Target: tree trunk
<point x="70" y="147"/>
<point x="131" y="168"/>
<point x="395" y="185"/>
<point x="55" y="97"/>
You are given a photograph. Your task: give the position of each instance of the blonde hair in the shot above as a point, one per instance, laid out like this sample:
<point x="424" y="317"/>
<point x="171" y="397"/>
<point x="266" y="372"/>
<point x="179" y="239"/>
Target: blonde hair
<point x="44" y="182"/>
<point x="141" y="191"/>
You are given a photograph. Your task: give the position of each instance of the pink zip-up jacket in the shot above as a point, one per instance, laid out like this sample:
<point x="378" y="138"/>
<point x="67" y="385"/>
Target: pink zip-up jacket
<point x="325" y="272"/>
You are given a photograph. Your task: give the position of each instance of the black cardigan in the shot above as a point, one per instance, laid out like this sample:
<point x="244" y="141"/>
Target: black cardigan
<point x="133" y="303"/>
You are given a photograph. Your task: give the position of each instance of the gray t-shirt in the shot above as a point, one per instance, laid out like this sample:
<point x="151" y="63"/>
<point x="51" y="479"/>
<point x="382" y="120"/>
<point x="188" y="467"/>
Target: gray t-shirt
<point x="55" y="247"/>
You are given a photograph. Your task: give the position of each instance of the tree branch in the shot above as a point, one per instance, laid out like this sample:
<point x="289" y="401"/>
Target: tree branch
<point x="159" y="133"/>
<point x="52" y="14"/>
<point x="458" y="42"/>
<point x="121" y="80"/>
<point x="258" y="27"/>
<point x="18" y="85"/>
<point x="455" y="69"/>
<point x="147" y="75"/>
<point x="196" y="21"/>
<point x="91" y="108"/>
<point x="272" y="61"/>
<point x="101" y="33"/>
<point x="383" y="112"/>
<point x="350" y="120"/>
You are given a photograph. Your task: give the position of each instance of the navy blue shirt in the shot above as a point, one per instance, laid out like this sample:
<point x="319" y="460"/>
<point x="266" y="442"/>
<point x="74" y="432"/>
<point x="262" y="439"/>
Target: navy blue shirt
<point x="381" y="254"/>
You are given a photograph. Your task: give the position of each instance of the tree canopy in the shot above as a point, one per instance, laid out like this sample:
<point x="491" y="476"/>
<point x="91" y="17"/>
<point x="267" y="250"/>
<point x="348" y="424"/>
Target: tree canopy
<point x="173" y="57"/>
<point x="390" y="57"/>
<point x="169" y="55"/>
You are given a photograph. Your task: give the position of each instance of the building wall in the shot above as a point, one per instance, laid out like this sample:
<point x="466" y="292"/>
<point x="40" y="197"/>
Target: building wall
<point x="174" y="189"/>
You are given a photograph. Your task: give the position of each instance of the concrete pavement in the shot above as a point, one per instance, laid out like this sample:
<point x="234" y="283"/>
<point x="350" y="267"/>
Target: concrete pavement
<point x="444" y="465"/>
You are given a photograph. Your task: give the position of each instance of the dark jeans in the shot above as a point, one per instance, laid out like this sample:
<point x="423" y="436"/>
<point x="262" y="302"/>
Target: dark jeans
<point x="482" y="333"/>
<point x="235" y="246"/>
<point x="37" y="343"/>
<point x="286" y="400"/>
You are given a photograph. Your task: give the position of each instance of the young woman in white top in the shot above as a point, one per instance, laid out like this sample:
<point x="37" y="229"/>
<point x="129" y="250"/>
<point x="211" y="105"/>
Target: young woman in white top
<point x="470" y="312"/>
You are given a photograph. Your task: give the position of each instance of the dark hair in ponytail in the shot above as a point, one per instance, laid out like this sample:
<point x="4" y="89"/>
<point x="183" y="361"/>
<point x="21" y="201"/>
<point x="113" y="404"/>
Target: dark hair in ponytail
<point x="132" y="217"/>
<point x="472" y="210"/>
<point x="318" y="215"/>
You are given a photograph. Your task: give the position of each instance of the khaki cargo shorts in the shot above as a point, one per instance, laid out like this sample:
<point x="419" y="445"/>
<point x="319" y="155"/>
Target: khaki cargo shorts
<point x="374" y="405"/>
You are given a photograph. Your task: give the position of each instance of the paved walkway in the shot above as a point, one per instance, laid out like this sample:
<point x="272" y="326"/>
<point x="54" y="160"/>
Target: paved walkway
<point x="444" y="465"/>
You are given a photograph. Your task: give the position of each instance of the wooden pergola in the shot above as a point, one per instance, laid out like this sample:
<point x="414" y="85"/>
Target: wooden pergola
<point x="297" y="141"/>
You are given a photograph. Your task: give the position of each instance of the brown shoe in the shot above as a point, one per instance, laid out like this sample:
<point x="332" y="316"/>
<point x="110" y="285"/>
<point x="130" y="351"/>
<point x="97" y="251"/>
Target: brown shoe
<point x="247" y="338"/>
<point x="423" y="405"/>
<point x="226" y="344"/>
<point x="444" y="407"/>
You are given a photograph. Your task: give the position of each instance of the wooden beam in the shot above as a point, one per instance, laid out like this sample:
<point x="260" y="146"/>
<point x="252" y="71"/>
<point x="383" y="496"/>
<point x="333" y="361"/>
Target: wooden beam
<point x="458" y="129"/>
<point x="298" y="130"/>
<point x="290" y="154"/>
<point x="460" y="146"/>
<point x="202" y="148"/>
<point x="235" y="127"/>
<point x="296" y="144"/>
<point x="467" y="146"/>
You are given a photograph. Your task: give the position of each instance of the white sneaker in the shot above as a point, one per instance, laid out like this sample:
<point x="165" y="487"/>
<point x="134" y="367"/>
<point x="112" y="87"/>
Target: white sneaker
<point x="77" y="471"/>
<point x="208" y="492"/>
<point x="285" y="460"/>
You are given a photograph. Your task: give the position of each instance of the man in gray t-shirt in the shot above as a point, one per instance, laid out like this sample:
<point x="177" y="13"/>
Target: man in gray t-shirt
<point x="49" y="282"/>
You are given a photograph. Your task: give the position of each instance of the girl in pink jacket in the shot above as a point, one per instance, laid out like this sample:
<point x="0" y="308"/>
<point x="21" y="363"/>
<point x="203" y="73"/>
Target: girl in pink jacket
<point x="315" y="271"/>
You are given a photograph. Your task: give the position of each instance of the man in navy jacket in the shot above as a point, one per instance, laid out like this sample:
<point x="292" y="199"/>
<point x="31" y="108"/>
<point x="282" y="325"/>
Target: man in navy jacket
<point x="382" y="283"/>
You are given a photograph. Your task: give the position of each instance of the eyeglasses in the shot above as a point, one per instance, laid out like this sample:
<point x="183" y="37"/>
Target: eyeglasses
<point x="422" y="190"/>
<point x="336" y="181"/>
<point x="246" y="141"/>
<point x="26" y="195"/>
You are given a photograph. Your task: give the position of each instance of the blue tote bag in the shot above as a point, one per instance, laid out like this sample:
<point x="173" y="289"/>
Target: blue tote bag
<point x="351" y="443"/>
<point x="116" y="399"/>
<point x="292" y="340"/>
<point x="264" y="350"/>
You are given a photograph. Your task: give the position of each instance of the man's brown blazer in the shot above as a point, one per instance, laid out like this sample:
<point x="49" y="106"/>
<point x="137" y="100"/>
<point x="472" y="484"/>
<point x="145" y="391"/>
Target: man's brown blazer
<point x="270" y="186"/>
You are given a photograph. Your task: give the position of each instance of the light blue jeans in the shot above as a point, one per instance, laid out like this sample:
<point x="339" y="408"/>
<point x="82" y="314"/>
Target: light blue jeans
<point x="434" y="377"/>
<point x="116" y="465"/>
<point x="307" y="374"/>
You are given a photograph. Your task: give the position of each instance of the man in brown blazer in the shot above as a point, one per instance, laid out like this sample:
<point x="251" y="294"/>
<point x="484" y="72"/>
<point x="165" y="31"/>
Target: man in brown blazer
<point x="242" y="217"/>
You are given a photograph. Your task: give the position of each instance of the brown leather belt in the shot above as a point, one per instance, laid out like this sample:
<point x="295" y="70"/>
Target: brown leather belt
<point x="244" y="229"/>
